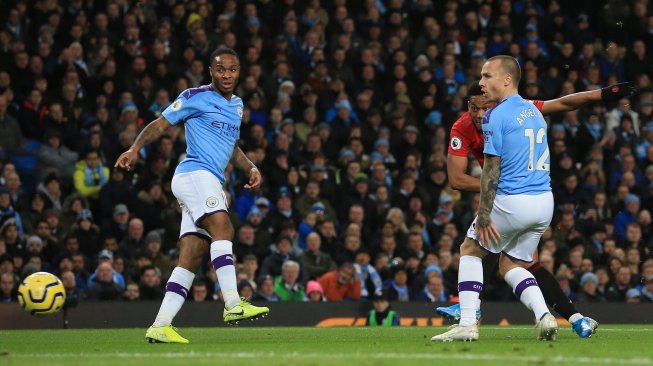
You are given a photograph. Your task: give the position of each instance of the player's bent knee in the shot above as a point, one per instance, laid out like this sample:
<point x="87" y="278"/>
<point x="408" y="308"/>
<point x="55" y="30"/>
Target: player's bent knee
<point x="471" y="247"/>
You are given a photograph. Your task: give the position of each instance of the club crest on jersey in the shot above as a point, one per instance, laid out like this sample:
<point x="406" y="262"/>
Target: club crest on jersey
<point x="240" y="112"/>
<point x="176" y="105"/>
<point x="456" y="143"/>
<point x="211" y="202"/>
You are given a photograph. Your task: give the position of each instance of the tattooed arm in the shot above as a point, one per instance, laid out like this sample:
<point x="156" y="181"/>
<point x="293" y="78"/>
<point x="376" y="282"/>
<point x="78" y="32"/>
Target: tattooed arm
<point x="240" y="161"/>
<point x="150" y="133"/>
<point x="489" y="183"/>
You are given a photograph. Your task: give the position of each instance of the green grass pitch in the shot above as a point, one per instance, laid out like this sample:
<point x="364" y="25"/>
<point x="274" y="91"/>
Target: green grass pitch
<point x="514" y="345"/>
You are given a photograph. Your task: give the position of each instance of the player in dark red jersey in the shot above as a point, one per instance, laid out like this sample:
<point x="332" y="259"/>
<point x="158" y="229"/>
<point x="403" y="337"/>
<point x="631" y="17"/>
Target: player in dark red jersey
<point x="466" y="138"/>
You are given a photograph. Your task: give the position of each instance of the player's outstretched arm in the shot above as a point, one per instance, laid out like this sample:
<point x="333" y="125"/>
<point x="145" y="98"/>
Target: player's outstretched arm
<point x="150" y="133"/>
<point x="240" y="161"/>
<point x="574" y="101"/>
<point x="489" y="183"/>
<point x="458" y="177"/>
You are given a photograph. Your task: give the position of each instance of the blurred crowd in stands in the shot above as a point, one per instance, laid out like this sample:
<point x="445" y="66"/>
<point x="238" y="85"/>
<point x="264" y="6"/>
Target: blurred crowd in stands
<point x="348" y="111"/>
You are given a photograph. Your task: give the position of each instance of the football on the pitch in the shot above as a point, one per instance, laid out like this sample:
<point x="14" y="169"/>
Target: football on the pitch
<point x="41" y="294"/>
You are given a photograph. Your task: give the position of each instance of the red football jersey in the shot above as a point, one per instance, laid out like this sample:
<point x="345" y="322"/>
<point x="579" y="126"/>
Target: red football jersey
<point x="466" y="139"/>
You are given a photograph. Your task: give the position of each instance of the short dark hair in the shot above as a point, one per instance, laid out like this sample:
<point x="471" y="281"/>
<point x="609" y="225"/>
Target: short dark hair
<point x="474" y="89"/>
<point x="199" y="283"/>
<point x="510" y="65"/>
<point x="90" y="151"/>
<point x="149" y="267"/>
<point x="222" y="51"/>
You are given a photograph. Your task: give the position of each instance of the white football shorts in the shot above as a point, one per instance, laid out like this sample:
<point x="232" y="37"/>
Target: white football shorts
<point x="199" y="194"/>
<point x="521" y="220"/>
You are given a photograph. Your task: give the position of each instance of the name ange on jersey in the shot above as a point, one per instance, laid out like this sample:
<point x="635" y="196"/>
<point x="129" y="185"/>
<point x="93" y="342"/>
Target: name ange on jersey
<point x="526" y="113"/>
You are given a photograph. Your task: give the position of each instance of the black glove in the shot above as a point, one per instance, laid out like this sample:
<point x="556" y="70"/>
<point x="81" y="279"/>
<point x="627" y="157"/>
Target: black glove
<point x="618" y="91"/>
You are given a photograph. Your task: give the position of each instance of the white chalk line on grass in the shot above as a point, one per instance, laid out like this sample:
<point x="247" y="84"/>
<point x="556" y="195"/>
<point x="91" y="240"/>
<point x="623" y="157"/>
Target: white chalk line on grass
<point x="329" y="356"/>
<point x="600" y="329"/>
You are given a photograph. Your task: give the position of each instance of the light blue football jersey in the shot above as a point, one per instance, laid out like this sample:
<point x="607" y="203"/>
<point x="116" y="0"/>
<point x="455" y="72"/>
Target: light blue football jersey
<point x="516" y="131"/>
<point x="212" y="128"/>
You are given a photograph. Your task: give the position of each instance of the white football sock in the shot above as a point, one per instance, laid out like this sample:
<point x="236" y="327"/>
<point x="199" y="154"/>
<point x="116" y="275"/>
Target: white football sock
<point x="575" y="317"/>
<point x="177" y="288"/>
<point x="470" y="285"/>
<point x="527" y="290"/>
<point x="223" y="262"/>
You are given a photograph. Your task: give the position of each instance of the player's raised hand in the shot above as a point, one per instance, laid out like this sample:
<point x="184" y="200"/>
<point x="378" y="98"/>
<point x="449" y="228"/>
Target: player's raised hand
<point x="254" y="179"/>
<point x="127" y="160"/>
<point x="487" y="235"/>
<point x="618" y="91"/>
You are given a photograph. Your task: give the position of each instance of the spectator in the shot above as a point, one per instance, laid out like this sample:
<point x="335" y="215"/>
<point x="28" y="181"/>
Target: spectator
<point x="153" y="250"/>
<point x="134" y="238"/>
<point x="563" y="280"/>
<point x="79" y="265"/>
<point x="132" y="292"/>
<point x="8" y="288"/>
<point x="7" y="211"/>
<point x="397" y="288"/>
<point x="50" y="188"/>
<point x="287" y="286"/>
<point x="53" y="155"/>
<point x="382" y="314"/>
<point x="588" y="288"/>
<point x="314" y="292"/>
<point x="245" y="243"/>
<point x="367" y="275"/>
<point x="341" y="284"/>
<point x="627" y="216"/>
<point x="617" y="290"/>
<point x="10" y="235"/>
<point x="633" y="296"/>
<point x="72" y="207"/>
<point x="90" y="175"/>
<point x="11" y="136"/>
<point x="87" y="233"/>
<point x="433" y="291"/>
<point x="106" y="256"/>
<point x="314" y="261"/>
<point x="245" y="289"/>
<point x="118" y="226"/>
<point x="272" y="264"/>
<point x="150" y="283"/>
<point x="265" y="290"/>
<point x="312" y="200"/>
<point x="102" y="287"/>
<point x="647" y="290"/>
<point x="199" y="291"/>
<point x="73" y="294"/>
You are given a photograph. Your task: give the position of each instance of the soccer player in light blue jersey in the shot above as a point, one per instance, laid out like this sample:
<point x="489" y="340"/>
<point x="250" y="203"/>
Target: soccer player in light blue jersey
<point x="211" y="115"/>
<point x="516" y="201"/>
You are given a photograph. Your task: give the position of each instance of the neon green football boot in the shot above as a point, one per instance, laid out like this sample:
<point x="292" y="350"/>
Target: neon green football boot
<point x="165" y="334"/>
<point x="244" y="310"/>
